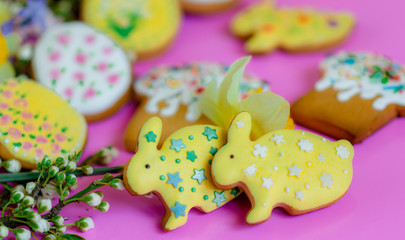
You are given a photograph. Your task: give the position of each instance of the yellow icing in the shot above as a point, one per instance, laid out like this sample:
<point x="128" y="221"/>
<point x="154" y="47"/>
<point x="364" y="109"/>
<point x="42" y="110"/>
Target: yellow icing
<point x="3" y="50"/>
<point x="289" y="28"/>
<point x="142" y="180"/>
<point x="34" y="122"/>
<point x="275" y="163"/>
<point x="146" y="25"/>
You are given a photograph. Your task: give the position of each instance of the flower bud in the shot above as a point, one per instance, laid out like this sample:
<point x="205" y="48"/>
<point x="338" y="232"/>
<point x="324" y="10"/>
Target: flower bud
<point x="71" y="166"/>
<point x="3" y="231"/>
<point x="65" y="193"/>
<point x="117" y="184"/>
<point x="44" y="205"/>
<point x="50" y="191"/>
<point x="30" y="187"/>
<point x="62" y="229"/>
<point x="60" y="177"/>
<point x="53" y="171"/>
<point x="103" y="206"/>
<point x="22" y="234"/>
<point x="58" y="220"/>
<point x="71" y="180"/>
<point x="12" y="166"/>
<point x="18" y="188"/>
<point x="41" y="226"/>
<point x="50" y="237"/>
<point x="17" y="197"/>
<point x="33" y="216"/>
<point x="87" y="170"/>
<point x="85" y="224"/>
<point x="93" y="199"/>
<point x="46" y="162"/>
<point x="28" y="201"/>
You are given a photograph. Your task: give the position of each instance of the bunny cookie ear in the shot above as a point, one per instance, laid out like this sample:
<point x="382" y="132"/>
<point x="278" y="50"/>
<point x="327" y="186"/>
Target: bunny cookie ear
<point x="149" y="135"/>
<point x="240" y="127"/>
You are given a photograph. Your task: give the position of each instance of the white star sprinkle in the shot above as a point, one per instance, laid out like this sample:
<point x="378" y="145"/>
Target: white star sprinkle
<point x="327" y="180"/>
<point x="240" y="124"/>
<point x="277" y="139"/>
<point x="287" y="189"/>
<point x="267" y="182"/>
<point x="260" y="150"/>
<point x="250" y="171"/>
<point x="275" y="168"/>
<point x="307" y="186"/>
<point x="321" y="158"/>
<point x="281" y="154"/>
<point x="294" y="170"/>
<point x="342" y="152"/>
<point x="305" y="145"/>
<point x="299" y="195"/>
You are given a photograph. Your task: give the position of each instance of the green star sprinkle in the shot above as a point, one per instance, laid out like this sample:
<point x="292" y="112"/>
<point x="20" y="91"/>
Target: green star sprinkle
<point x="210" y="133"/>
<point x="213" y="151"/>
<point x="150" y="137"/>
<point x="191" y="155"/>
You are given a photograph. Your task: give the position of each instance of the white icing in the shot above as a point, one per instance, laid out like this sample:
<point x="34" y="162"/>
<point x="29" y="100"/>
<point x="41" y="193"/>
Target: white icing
<point x="240" y="124"/>
<point x="356" y="74"/>
<point x="250" y="171"/>
<point x="175" y="86"/>
<point x="299" y="195"/>
<point x="267" y="183"/>
<point x="92" y="71"/>
<point x="260" y="151"/>
<point x="294" y="170"/>
<point x="342" y="152"/>
<point x="305" y="145"/>
<point x="277" y="139"/>
<point x="327" y="180"/>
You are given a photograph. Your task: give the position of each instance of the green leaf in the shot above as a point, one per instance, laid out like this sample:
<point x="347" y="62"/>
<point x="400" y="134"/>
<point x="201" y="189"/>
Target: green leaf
<point x="68" y="236"/>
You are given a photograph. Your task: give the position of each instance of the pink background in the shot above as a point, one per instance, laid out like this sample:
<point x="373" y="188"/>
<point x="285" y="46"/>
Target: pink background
<point x="373" y="208"/>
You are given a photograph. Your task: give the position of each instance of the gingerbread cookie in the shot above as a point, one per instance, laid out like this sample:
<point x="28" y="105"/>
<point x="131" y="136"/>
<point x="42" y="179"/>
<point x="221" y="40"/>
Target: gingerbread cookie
<point x="34" y="122"/>
<point x="180" y="172"/>
<point x="357" y="94"/>
<point x="173" y="94"/>
<point x="206" y="6"/>
<point x="144" y="26"/>
<point x="295" y="170"/>
<point x="267" y="28"/>
<point x="85" y="67"/>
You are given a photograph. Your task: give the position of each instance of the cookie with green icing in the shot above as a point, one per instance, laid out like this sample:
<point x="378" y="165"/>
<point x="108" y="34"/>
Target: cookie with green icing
<point x="357" y="94"/>
<point x="144" y="26"/>
<point x="35" y="121"/>
<point x="179" y="173"/>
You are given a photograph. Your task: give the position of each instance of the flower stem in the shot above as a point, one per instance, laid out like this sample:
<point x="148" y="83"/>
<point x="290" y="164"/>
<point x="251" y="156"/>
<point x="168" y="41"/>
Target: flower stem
<point x="32" y="176"/>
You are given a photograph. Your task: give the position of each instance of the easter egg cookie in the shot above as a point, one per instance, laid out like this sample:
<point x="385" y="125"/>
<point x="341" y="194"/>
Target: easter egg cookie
<point x="266" y="28"/>
<point x="295" y="170"/>
<point x="357" y="94"/>
<point x="206" y="6"/>
<point x="34" y="122"/>
<point x="144" y="26"/>
<point x="85" y="67"/>
<point x="180" y="172"/>
<point x="173" y="94"/>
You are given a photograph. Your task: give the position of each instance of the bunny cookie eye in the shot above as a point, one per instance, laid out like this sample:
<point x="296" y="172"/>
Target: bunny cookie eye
<point x="147" y="166"/>
<point x="231" y="156"/>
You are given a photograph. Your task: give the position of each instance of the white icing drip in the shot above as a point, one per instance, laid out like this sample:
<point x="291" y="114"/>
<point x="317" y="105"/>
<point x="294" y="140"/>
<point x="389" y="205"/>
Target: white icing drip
<point x="352" y="73"/>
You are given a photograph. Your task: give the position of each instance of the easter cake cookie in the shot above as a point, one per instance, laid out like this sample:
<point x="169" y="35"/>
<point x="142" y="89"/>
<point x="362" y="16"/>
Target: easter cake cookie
<point x="295" y="170"/>
<point x="180" y="172"/>
<point x="174" y="93"/>
<point x="357" y="94"/>
<point x="34" y="121"/>
<point x="144" y="26"/>
<point x="266" y="28"/>
<point x="206" y="6"/>
<point x="85" y="67"/>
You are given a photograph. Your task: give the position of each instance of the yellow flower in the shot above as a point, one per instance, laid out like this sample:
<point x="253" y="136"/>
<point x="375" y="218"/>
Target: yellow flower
<point x="269" y="111"/>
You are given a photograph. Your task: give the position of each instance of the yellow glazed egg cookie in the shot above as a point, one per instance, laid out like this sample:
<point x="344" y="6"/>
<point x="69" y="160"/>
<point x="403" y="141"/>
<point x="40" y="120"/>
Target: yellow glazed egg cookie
<point x="85" y="67"/>
<point x="144" y="26"/>
<point x="266" y="28"/>
<point x="35" y="121"/>
<point x="180" y="172"/>
<point x="295" y="170"/>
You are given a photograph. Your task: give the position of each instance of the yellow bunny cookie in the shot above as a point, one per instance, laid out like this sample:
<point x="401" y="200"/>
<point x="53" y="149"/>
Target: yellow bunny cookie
<point x="180" y="172"/>
<point x="267" y="28"/>
<point x="296" y="170"/>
